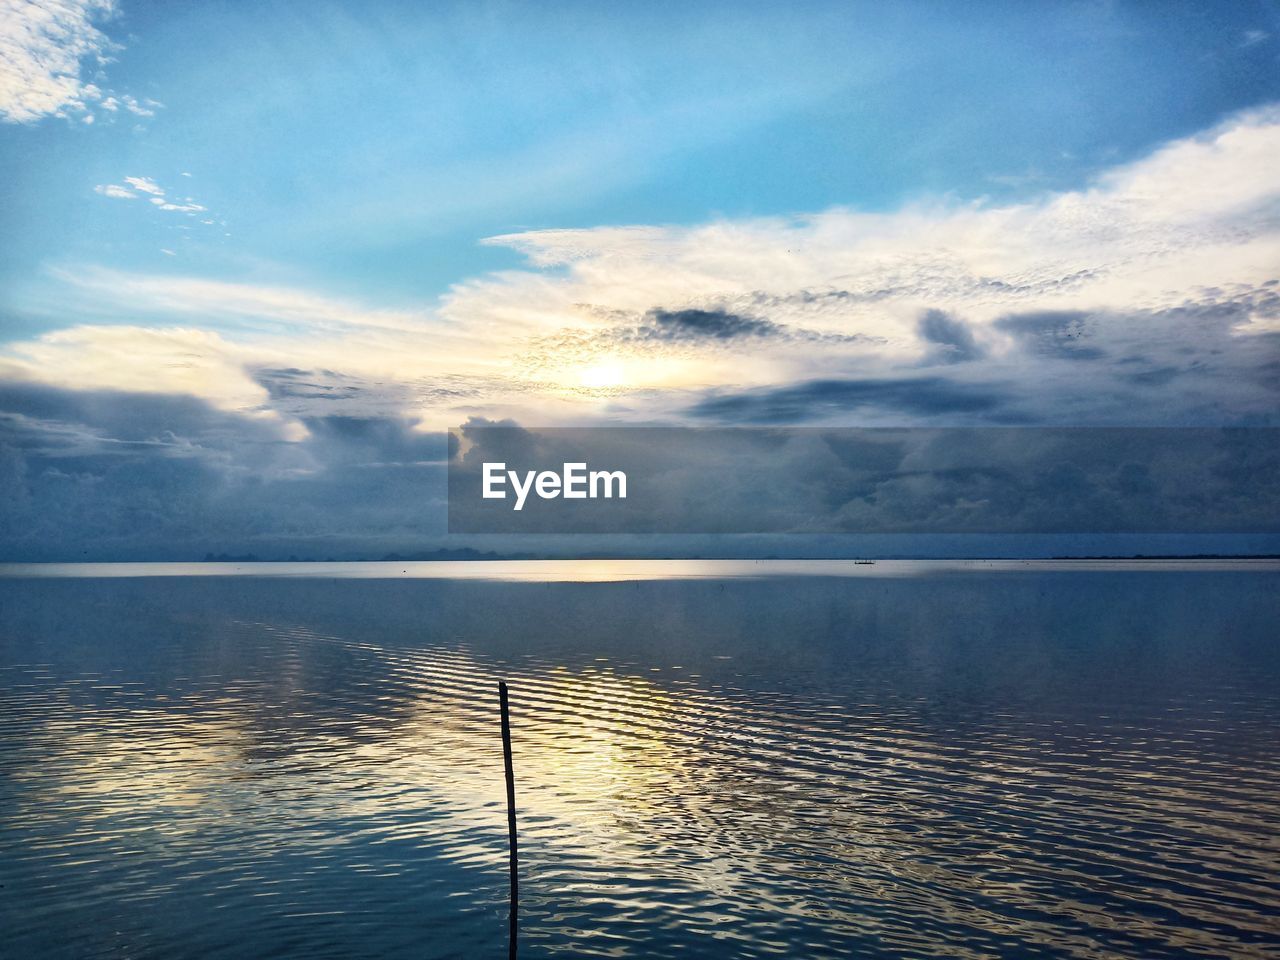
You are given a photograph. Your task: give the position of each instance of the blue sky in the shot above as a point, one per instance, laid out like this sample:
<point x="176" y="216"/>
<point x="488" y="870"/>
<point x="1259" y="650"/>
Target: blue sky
<point x="280" y="220"/>
<point x="366" y="149"/>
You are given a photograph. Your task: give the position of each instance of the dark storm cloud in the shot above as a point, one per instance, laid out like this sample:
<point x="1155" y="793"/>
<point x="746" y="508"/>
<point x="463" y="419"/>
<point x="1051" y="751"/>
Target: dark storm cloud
<point x="124" y="417"/>
<point x="373" y="440"/>
<point x="713" y="324"/>
<point x="703" y="328"/>
<point x="885" y="480"/>
<point x="924" y="396"/>
<point x="130" y="475"/>
<point x="1155" y="376"/>
<point x="310" y="393"/>
<point x="1058" y="334"/>
<point x="290" y="382"/>
<point x="694" y="325"/>
<point x="104" y="475"/>
<point x="954" y="339"/>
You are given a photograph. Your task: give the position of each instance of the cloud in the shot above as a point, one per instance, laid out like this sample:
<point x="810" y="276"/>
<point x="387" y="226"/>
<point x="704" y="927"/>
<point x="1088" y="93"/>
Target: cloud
<point x="703" y="324"/>
<point x="145" y="108"/>
<point x="147" y="475"/>
<point x="113" y="104"/>
<point x="156" y="473"/>
<point x="1078" y="279"/>
<point x="927" y="396"/>
<point x="905" y="480"/>
<point x="115" y="190"/>
<point x="953" y="337"/>
<point x="181" y="207"/>
<point x="267" y="351"/>
<point x="1149" y="295"/>
<point x="1200" y="211"/>
<point x="214" y="300"/>
<point x="46" y="49"/>
<point x="664" y="335"/>
<point x="176" y="361"/>
<point x="139" y="186"/>
<point x="145" y="185"/>
<point x="1053" y="333"/>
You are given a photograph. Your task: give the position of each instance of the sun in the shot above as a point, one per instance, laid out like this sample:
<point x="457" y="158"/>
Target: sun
<point x="608" y="373"/>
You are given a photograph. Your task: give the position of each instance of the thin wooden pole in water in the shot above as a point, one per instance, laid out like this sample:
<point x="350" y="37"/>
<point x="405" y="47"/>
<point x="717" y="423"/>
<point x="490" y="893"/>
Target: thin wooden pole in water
<point x="511" y="817"/>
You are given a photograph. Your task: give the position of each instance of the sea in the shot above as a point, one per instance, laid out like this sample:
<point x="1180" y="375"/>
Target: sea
<point x="961" y="759"/>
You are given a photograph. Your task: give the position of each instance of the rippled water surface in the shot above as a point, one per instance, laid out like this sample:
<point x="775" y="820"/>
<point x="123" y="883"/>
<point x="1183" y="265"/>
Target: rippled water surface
<point x="935" y="761"/>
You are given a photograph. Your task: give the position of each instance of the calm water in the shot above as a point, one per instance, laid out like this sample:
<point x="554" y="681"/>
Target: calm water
<point x="741" y="760"/>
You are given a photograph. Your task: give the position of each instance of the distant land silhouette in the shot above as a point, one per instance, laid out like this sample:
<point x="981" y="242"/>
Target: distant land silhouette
<point x="468" y="553"/>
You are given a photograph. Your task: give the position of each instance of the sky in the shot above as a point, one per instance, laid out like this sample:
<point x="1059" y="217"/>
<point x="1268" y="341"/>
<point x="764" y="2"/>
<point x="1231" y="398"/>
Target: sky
<point x="256" y="258"/>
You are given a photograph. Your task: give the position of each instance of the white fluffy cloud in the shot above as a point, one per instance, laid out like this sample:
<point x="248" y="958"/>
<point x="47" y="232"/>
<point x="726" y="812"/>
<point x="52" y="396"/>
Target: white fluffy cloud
<point x="45" y="48"/>
<point x="145" y="185"/>
<point x="1196" y="215"/>
<point x="140" y="360"/>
